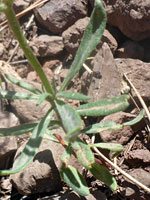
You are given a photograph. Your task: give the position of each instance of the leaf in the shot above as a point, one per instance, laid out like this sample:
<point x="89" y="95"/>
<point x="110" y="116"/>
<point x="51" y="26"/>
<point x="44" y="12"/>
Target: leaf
<point x="108" y="146"/>
<point x="66" y="154"/>
<point x="43" y="97"/>
<point x="18" y="130"/>
<point x="74" y="180"/>
<point x="136" y="120"/>
<point x="99" y="127"/>
<point x="83" y="153"/>
<point x="70" y="119"/>
<point x="72" y="95"/>
<point x="104" y="107"/>
<point x="4" y="94"/>
<point x="91" y="37"/>
<point x="23" y="84"/>
<point x="31" y="147"/>
<point x="102" y="173"/>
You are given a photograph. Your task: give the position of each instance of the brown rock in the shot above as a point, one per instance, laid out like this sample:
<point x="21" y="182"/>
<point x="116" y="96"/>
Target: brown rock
<point x="8" y="145"/>
<point x="138" y="157"/>
<point x="45" y="46"/>
<point x="118" y="136"/>
<point x="131" y="49"/>
<point x="73" y="35"/>
<point x="139" y="74"/>
<point x="20" y="5"/>
<point x="131" y="17"/>
<point x="105" y="82"/>
<point x="58" y="18"/>
<point x="42" y="175"/>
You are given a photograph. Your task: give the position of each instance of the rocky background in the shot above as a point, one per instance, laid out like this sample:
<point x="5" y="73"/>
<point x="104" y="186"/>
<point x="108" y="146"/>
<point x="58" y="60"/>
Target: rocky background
<point x="54" y="31"/>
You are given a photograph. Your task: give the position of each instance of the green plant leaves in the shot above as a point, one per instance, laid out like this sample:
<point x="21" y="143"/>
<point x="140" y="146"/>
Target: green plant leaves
<point x="4" y="94"/>
<point x="71" y="121"/>
<point x="74" y="180"/>
<point x="72" y="95"/>
<point x="18" y="130"/>
<point x="104" y="106"/>
<point x="108" y="146"/>
<point x="102" y="173"/>
<point x="91" y="37"/>
<point x="99" y="127"/>
<point x="83" y="153"/>
<point x="31" y="147"/>
<point x="23" y="84"/>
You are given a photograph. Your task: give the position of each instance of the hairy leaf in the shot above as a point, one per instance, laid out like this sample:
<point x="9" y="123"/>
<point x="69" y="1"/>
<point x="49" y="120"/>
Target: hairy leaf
<point x="91" y="37"/>
<point x="102" y="173"/>
<point x="74" y="180"/>
<point x="23" y="84"/>
<point x="108" y="146"/>
<point x="31" y="147"/>
<point x="104" y="107"/>
<point x="83" y="153"/>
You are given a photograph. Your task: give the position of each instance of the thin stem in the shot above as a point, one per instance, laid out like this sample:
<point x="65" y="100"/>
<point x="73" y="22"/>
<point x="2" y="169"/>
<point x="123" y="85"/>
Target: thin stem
<point x="121" y="171"/>
<point x="14" y="24"/>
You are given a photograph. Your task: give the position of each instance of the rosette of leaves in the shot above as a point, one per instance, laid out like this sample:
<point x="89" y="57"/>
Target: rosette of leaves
<point x="68" y="118"/>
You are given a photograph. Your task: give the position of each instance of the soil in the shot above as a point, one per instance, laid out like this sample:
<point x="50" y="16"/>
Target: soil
<point x="141" y="139"/>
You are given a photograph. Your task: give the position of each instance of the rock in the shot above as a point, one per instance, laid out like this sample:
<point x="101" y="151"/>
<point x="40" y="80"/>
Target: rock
<point x="58" y="18"/>
<point x="73" y="35"/>
<point x="27" y="110"/>
<point x="138" y="157"/>
<point x="20" y="5"/>
<point x="139" y="74"/>
<point x="105" y="82"/>
<point x="2" y="49"/>
<point x="42" y="175"/>
<point x="95" y="195"/>
<point x="8" y="145"/>
<point x="120" y="136"/>
<point x="131" y="17"/>
<point x="131" y="49"/>
<point x="46" y="46"/>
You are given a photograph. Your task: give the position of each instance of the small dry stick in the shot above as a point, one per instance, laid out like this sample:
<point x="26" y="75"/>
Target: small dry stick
<point x="121" y="171"/>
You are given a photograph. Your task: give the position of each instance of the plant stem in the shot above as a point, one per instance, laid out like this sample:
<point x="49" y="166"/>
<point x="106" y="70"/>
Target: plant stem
<point x="14" y="24"/>
<point x="121" y="171"/>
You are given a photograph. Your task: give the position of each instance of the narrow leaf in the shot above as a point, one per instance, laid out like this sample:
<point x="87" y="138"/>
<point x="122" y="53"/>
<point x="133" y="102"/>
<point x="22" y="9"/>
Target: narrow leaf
<point x="91" y="37"/>
<point x="83" y="153"/>
<point x="4" y="94"/>
<point x="136" y="120"/>
<point x="43" y="97"/>
<point x="23" y="84"/>
<point x="67" y="154"/>
<point x="31" y="147"/>
<point x="99" y="127"/>
<point x="108" y="146"/>
<point x="70" y="119"/>
<point x="72" y="95"/>
<point x="74" y="180"/>
<point x="102" y="173"/>
<point x="18" y="130"/>
<point x="104" y="107"/>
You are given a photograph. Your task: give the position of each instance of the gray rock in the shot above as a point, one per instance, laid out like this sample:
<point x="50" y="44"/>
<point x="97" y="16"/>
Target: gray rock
<point x="2" y="48"/>
<point x="58" y="18"/>
<point x="20" y="5"/>
<point x="105" y="82"/>
<point x="131" y="17"/>
<point x="46" y="46"/>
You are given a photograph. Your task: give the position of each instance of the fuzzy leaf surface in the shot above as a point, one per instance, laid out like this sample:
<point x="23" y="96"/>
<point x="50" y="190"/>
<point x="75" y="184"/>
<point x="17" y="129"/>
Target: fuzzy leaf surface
<point x="91" y="37"/>
<point x="102" y="173"/>
<point x="31" y="147"/>
<point x="74" y="180"/>
<point x="104" y="106"/>
<point x="72" y="95"/>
